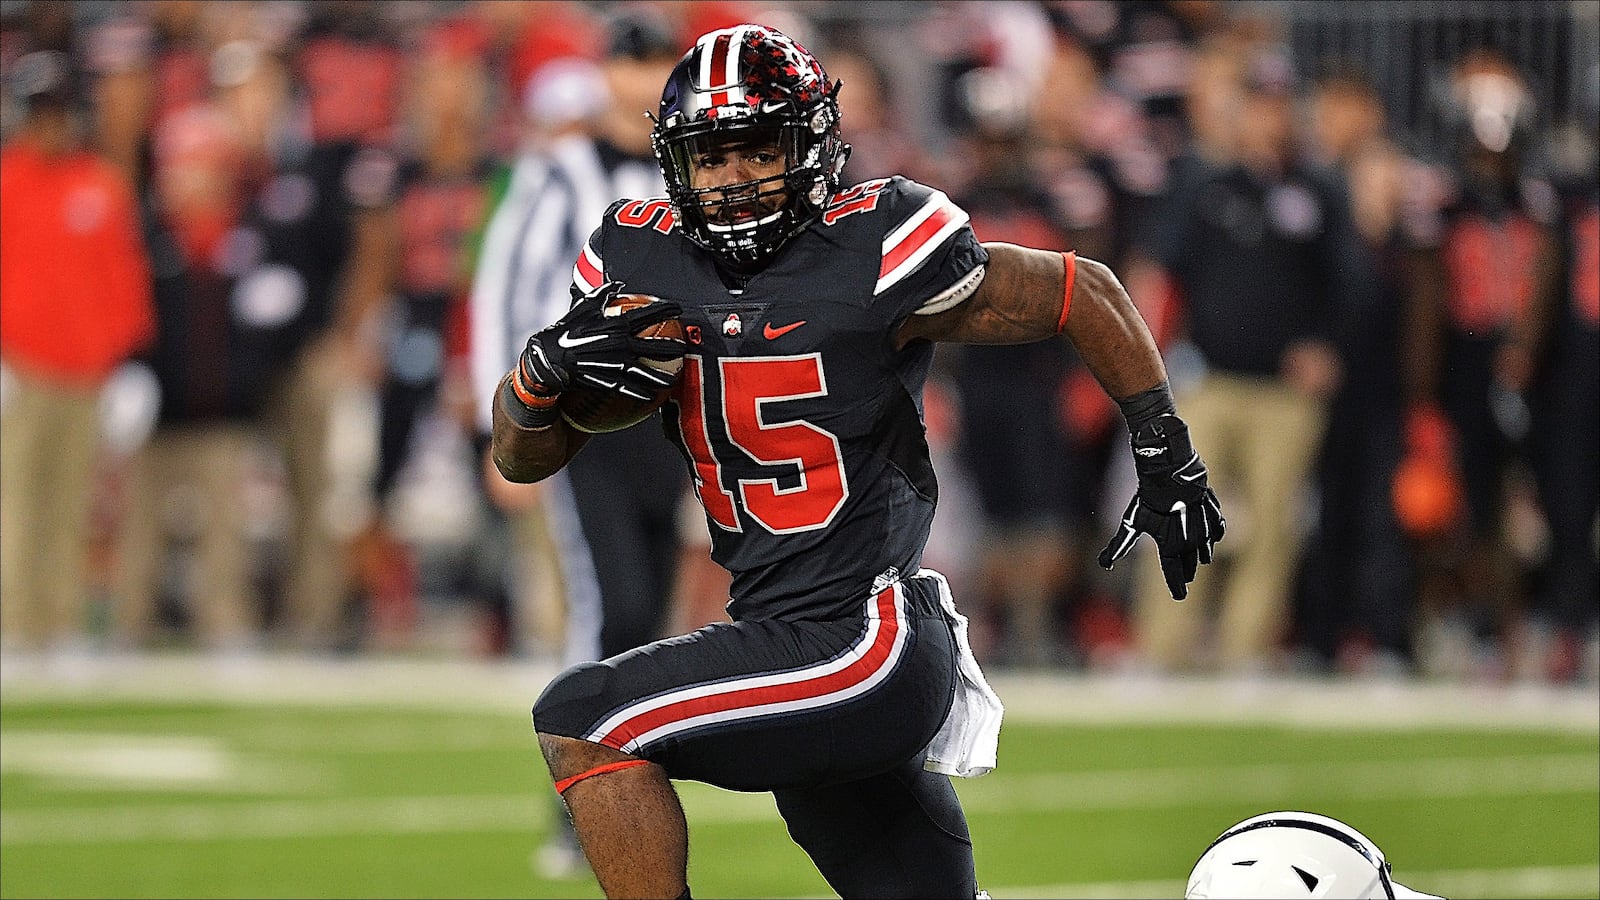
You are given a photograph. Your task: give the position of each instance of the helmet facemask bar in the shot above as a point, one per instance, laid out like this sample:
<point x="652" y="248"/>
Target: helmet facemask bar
<point x="745" y="221"/>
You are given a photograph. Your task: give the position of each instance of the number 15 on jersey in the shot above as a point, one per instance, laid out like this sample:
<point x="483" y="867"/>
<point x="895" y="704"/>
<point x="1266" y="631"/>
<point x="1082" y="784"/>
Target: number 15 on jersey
<point x="746" y="431"/>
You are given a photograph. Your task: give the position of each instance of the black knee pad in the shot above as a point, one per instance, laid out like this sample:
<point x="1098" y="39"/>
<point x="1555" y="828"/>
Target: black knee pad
<point x="570" y="704"/>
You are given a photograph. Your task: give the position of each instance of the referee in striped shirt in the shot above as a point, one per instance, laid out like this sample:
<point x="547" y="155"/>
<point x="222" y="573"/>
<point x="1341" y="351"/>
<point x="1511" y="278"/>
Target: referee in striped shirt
<point x="613" y="513"/>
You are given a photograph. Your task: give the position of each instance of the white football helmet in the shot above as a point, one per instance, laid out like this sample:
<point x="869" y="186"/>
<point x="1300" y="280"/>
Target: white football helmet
<point x="1294" y="854"/>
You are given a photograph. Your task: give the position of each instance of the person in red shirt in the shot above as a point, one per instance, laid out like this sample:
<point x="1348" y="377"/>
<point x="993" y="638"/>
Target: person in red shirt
<point x="75" y="281"/>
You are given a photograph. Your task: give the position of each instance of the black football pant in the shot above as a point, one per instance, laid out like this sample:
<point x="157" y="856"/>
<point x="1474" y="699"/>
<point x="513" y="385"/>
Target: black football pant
<point x="626" y="488"/>
<point x="1357" y="571"/>
<point x="899" y="834"/>
<point x="1566" y="438"/>
<point x="831" y="716"/>
<point x="414" y="364"/>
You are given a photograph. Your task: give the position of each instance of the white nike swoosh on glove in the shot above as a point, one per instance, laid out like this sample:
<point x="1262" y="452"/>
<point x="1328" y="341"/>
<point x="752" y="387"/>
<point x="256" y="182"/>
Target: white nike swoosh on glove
<point x="1130" y="536"/>
<point x="1192" y="460"/>
<point x="565" y="341"/>
<point x="1182" y="509"/>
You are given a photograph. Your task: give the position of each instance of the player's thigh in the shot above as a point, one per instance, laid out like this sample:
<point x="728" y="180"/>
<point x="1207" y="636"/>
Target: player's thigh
<point x="770" y="704"/>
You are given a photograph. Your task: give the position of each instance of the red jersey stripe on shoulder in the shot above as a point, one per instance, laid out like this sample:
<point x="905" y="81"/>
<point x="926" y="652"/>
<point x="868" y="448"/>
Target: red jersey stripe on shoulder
<point x="896" y="255"/>
<point x="866" y="664"/>
<point x="589" y="272"/>
<point x="905" y="248"/>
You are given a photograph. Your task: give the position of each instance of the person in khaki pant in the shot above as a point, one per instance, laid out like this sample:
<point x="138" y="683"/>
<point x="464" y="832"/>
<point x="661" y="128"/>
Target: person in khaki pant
<point x="187" y="481"/>
<point x="75" y="280"/>
<point x="297" y="422"/>
<point x="211" y="364"/>
<point x="1255" y="242"/>
<point x="49" y="445"/>
<point x="1260" y="480"/>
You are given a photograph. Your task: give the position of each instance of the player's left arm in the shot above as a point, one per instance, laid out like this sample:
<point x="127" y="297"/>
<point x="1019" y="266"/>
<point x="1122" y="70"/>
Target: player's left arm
<point x="1029" y="295"/>
<point x="528" y="450"/>
<point x="530" y="440"/>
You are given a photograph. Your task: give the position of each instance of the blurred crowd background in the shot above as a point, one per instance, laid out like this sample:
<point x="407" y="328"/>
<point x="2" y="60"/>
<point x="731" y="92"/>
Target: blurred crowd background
<point x="239" y="243"/>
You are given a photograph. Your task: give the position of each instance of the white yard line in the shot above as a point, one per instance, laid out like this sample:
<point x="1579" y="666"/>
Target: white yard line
<point x="511" y="687"/>
<point x="1265" y="783"/>
<point x="1300" y="702"/>
<point x="370" y="732"/>
<point x="278" y="819"/>
<point x="997" y="793"/>
<point x="1536" y="881"/>
<point x="68" y="761"/>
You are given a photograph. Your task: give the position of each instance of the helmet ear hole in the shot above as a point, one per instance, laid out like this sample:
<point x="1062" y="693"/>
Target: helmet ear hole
<point x="839" y="159"/>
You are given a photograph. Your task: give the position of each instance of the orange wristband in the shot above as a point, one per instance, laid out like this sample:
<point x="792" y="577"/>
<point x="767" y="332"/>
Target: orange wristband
<point x="525" y="408"/>
<point x="527" y="396"/>
<point x="1070" y="259"/>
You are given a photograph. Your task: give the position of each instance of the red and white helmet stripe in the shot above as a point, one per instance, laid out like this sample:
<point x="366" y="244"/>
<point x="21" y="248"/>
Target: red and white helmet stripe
<point x="719" y="72"/>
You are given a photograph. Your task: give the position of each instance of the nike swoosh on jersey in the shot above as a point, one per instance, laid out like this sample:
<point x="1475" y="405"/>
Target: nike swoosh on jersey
<point x="773" y="334"/>
<point x="566" y="341"/>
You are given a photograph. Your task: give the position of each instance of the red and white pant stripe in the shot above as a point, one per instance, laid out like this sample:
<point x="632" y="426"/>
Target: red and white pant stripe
<point x="858" y="670"/>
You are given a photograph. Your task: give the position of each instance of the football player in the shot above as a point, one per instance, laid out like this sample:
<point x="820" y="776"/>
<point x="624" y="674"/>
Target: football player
<point x="844" y="683"/>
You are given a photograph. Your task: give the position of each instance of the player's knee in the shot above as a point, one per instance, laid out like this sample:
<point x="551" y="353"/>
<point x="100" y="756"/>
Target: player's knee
<point x="572" y="702"/>
<point x="568" y="757"/>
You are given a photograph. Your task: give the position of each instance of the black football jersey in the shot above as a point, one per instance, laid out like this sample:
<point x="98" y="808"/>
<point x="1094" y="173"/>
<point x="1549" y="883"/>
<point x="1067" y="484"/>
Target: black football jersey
<point x="800" y="421"/>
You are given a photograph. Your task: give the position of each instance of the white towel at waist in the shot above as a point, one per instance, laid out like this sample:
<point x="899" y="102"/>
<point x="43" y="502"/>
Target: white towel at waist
<point x="968" y="741"/>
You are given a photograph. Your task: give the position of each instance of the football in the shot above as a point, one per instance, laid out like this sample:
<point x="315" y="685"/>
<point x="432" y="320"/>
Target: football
<point x="599" y="411"/>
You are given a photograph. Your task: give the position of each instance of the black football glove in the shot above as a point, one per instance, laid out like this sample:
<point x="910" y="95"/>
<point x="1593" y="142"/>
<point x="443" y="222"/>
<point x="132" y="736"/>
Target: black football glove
<point x="590" y="348"/>
<point x="1173" y="504"/>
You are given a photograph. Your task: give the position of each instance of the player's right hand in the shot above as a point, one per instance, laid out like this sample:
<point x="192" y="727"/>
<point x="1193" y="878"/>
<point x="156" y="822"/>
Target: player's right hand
<point x="600" y="351"/>
<point x="1173" y="505"/>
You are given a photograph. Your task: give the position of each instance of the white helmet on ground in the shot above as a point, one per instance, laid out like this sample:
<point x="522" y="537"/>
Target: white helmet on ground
<point x="1294" y="854"/>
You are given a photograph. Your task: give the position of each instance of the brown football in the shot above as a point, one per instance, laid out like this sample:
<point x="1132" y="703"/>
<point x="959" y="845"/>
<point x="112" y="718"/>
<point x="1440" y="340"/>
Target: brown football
<point x="599" y="411"/>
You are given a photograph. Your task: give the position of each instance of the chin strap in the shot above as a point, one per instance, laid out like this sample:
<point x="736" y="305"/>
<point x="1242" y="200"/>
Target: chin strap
<point x="565" y="783"/>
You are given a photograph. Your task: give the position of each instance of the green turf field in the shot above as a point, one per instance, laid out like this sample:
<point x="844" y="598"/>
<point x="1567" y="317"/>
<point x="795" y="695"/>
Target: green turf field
<point x="121" y="793"/>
